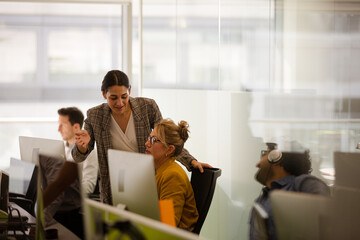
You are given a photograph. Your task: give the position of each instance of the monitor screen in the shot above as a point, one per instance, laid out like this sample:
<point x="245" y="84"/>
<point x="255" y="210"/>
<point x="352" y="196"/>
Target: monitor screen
<point x="21" y="173"/>
<point x="299" y="216"/>
<point x="347" y="167"/>
<point x="30" y="147"/>
<point x="133" y="183"/>
<point x="4" y="191"/>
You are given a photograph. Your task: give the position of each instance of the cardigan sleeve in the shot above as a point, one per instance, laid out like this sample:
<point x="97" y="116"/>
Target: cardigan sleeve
<point x="174" y="188"/>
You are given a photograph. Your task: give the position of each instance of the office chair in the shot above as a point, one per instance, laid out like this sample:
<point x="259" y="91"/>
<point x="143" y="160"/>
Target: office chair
<point x="96" y="194"/>
<point x="27" y="201"/>
<point x="203" y="185"/>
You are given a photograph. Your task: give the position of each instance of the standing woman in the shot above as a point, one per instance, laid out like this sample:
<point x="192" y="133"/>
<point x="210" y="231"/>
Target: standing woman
<point x="123" y="123"/>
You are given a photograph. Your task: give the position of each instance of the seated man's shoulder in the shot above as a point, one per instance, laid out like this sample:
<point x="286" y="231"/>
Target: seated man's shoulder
<point x="310" y="184"/>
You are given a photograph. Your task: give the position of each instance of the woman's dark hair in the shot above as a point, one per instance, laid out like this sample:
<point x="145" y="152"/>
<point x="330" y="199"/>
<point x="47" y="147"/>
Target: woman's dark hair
<point x="296" y="163"/>
<point x="115" y="78"/>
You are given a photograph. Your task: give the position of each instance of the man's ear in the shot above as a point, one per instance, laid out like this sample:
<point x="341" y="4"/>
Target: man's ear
<point x="77" y="126"/>
<point x="104" y="94"/>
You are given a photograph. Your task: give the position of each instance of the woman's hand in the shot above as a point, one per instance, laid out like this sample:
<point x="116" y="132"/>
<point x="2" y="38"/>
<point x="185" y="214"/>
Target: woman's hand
<point x="82" y="140"/>
<point x="200" y="165"/>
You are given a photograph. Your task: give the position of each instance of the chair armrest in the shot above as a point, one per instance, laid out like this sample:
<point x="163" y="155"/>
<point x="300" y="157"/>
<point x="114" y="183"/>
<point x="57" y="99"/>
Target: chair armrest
<point x="24" y="203"/>
<point x="20" y="200"/>
<point x="11" y="194"/>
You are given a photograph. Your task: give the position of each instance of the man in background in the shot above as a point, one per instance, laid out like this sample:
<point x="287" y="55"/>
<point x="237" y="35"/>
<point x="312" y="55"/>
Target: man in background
<point x="287" y="171"/>
<point x="71" y="120"/>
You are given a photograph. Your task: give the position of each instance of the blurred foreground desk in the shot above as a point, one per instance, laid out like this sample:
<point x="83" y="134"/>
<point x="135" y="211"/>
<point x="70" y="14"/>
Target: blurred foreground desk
<point x="63" y="232"/>
<point x="19" y="227"/>
<point x="18" y="224"/>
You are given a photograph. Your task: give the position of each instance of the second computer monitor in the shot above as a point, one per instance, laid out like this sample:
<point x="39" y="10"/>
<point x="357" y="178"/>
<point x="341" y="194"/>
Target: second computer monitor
<point x="299" y="216"/>
<point x="30" y="147"/>
<point x="21" y="175"/>
<point x="133" y="183"/>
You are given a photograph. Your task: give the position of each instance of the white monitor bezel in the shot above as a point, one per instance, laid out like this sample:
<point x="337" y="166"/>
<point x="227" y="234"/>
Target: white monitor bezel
<point x="139" y="184"/>
<point x="44" y="146"/>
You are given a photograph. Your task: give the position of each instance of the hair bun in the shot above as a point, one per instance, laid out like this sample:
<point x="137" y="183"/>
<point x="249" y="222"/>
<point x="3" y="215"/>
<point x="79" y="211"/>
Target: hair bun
<point x="184" y="130"/>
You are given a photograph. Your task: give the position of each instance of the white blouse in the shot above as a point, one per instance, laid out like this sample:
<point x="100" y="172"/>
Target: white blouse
<point x="123" y="141"/>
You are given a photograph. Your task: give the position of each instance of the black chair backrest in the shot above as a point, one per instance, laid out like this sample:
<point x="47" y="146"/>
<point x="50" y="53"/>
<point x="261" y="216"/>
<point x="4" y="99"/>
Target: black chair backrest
<point x="203" y="185"/>
<point x="27" y="201"/>
<point x="31" y="191"/>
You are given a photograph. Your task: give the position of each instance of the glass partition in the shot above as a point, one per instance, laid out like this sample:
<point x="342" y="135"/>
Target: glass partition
<point x="243" y="73"/>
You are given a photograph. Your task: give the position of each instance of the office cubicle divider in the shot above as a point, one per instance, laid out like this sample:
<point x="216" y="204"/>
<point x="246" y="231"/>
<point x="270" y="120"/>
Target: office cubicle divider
<point x="102" y="219"/>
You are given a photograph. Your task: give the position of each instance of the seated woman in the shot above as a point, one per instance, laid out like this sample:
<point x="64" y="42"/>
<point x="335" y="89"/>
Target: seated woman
<point x="165" y="142"/>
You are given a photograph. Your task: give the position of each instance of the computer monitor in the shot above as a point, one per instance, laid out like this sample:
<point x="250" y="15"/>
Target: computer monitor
<point x="346" y="213"/>
<point x="4" y="192"/>
<point x="117" y="222"/>
<point x="31" y="146"/>
<point x="299" y="216"/>
<point x="133" y="183"/>
<point x="347" y="168"/>
<point x="21" y="174"/>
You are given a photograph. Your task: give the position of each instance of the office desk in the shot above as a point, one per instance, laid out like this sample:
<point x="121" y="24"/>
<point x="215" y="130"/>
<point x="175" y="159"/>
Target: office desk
<point x="17" y="230"/>
<point x="18" y="224"/>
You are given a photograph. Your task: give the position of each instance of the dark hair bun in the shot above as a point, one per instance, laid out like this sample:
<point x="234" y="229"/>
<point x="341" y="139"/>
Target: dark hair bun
<point x="184" y="130"/>
<point x="115" y="78"/>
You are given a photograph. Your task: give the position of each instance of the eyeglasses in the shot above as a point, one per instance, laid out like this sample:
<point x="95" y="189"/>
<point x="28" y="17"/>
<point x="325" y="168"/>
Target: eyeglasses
<point x="263" y="153"/>
<point x="153" y="140"/>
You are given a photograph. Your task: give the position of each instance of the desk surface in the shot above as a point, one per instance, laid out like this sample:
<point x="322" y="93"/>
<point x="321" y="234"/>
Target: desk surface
<point x="15" y="226"/>
<point x="63" y="232"/>
<point x="31" y="220"/>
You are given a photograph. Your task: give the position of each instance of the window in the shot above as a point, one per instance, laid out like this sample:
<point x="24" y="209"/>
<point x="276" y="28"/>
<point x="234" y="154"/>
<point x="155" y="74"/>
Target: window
<point x="52" y="49"/>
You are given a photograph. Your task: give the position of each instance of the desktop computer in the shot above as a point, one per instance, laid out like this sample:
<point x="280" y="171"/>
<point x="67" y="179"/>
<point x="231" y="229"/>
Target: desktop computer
<point x="133" y="183"/>
<point x="30" y="147"/>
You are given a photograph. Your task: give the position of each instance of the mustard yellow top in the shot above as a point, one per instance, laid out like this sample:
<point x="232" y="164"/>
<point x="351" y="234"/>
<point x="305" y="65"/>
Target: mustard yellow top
<point x="173" y="183"/>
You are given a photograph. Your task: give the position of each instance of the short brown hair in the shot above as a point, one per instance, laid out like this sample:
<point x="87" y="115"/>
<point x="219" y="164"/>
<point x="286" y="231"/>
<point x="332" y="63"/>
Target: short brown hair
<point x="74" y="114"/>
